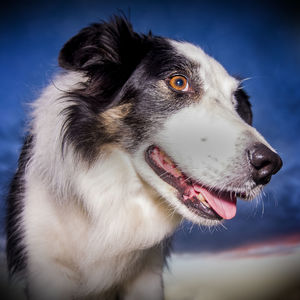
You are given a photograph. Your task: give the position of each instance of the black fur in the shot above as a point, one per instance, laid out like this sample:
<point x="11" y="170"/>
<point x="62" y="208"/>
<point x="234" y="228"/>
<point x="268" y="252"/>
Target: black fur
<point x="117" y="62"/>
<point x="107" y="53"/>
<point x="15" y="251"/>
<point x="244" y="106"/>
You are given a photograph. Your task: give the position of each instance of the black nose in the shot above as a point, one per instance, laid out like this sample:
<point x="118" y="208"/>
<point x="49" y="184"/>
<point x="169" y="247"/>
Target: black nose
<point x="264" y="163"/>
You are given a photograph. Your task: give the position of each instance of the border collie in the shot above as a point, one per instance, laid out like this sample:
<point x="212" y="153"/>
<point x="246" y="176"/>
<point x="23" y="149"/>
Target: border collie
<point x="136" y="134"/>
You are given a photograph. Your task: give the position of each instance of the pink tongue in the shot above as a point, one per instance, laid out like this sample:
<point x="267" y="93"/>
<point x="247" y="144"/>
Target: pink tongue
<point x="222" y="204"/>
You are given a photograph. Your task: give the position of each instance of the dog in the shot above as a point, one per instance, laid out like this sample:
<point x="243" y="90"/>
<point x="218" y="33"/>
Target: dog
<point x="135" y="134"/>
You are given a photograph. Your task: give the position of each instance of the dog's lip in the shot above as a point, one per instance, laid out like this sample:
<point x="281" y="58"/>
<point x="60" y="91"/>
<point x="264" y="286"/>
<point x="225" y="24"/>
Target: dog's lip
<point x="201" y="200"/>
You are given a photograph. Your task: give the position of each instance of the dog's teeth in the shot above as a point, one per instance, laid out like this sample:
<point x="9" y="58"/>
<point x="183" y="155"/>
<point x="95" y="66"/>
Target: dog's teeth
<point x="202" y="199"/>
<point x="177" y="172"/>
<point x="168" y="160"/>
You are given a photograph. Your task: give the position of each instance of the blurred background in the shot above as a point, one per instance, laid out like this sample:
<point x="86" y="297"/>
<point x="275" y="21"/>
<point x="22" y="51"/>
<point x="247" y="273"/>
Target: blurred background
<point x="257" y="254"/>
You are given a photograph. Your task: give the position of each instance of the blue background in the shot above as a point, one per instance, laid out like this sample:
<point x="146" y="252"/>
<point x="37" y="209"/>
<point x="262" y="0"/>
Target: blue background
<point x="259" y="40"/>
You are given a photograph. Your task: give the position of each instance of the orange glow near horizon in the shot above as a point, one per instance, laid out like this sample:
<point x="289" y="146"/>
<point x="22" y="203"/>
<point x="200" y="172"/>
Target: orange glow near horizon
<point x="274" y="246"/>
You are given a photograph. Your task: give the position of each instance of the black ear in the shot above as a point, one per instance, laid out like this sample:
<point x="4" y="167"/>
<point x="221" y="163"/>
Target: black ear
<point x="114" y="43"/>
<point x="244" y="106"/>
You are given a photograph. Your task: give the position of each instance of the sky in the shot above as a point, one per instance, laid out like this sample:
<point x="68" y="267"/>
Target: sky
<point x="256" y="40"/>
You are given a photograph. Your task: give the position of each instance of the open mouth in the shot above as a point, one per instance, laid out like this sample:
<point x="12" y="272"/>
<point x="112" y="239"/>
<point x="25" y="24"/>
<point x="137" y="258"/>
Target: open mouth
<point x="203" y="201"/>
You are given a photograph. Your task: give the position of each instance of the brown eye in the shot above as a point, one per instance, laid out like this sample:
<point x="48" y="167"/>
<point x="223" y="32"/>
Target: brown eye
<point x="179" y="83"/>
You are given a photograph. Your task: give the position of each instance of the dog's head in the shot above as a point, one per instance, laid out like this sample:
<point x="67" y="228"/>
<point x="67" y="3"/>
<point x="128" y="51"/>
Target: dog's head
<point x="185" y="122"/>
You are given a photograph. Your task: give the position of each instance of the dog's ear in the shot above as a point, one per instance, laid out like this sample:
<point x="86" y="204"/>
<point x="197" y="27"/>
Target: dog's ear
<point x="113" y="44"/>
<point x="244" y="106"/>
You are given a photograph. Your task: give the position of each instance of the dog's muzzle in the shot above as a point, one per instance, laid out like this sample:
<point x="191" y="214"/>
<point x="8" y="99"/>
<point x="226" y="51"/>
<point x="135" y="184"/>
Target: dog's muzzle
<point x="264" y="163"/>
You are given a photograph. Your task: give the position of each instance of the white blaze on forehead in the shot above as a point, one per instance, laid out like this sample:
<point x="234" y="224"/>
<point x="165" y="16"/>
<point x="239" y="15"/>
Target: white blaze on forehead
<point x="214" y="77"/>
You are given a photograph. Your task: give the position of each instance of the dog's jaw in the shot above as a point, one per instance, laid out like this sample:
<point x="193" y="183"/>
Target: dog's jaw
<point x="169" y="194"/>
<point x="199" y="204"/>
<point x="205" y="202"/>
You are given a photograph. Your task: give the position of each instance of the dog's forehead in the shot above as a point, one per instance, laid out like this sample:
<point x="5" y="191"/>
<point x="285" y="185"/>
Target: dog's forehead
<point x="210" y="71"/>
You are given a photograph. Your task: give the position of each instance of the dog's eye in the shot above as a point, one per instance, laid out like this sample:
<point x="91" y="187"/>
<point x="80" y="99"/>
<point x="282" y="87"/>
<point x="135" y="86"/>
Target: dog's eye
<point x="179" y="83"/>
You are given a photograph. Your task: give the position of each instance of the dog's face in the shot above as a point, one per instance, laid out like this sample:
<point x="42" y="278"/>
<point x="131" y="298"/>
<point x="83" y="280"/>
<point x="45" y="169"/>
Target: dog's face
<point x="185" y="122"/>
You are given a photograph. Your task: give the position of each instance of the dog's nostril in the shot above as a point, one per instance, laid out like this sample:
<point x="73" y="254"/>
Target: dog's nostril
<point x="264" y="162"/>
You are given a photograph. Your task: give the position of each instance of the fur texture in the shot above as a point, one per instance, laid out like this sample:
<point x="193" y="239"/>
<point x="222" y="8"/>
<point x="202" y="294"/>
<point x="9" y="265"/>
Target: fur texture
<point x="87" y="215"/>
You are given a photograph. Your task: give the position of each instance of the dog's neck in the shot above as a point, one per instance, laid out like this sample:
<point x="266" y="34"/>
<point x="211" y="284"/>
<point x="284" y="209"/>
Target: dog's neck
<point x="121" y="203"/>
